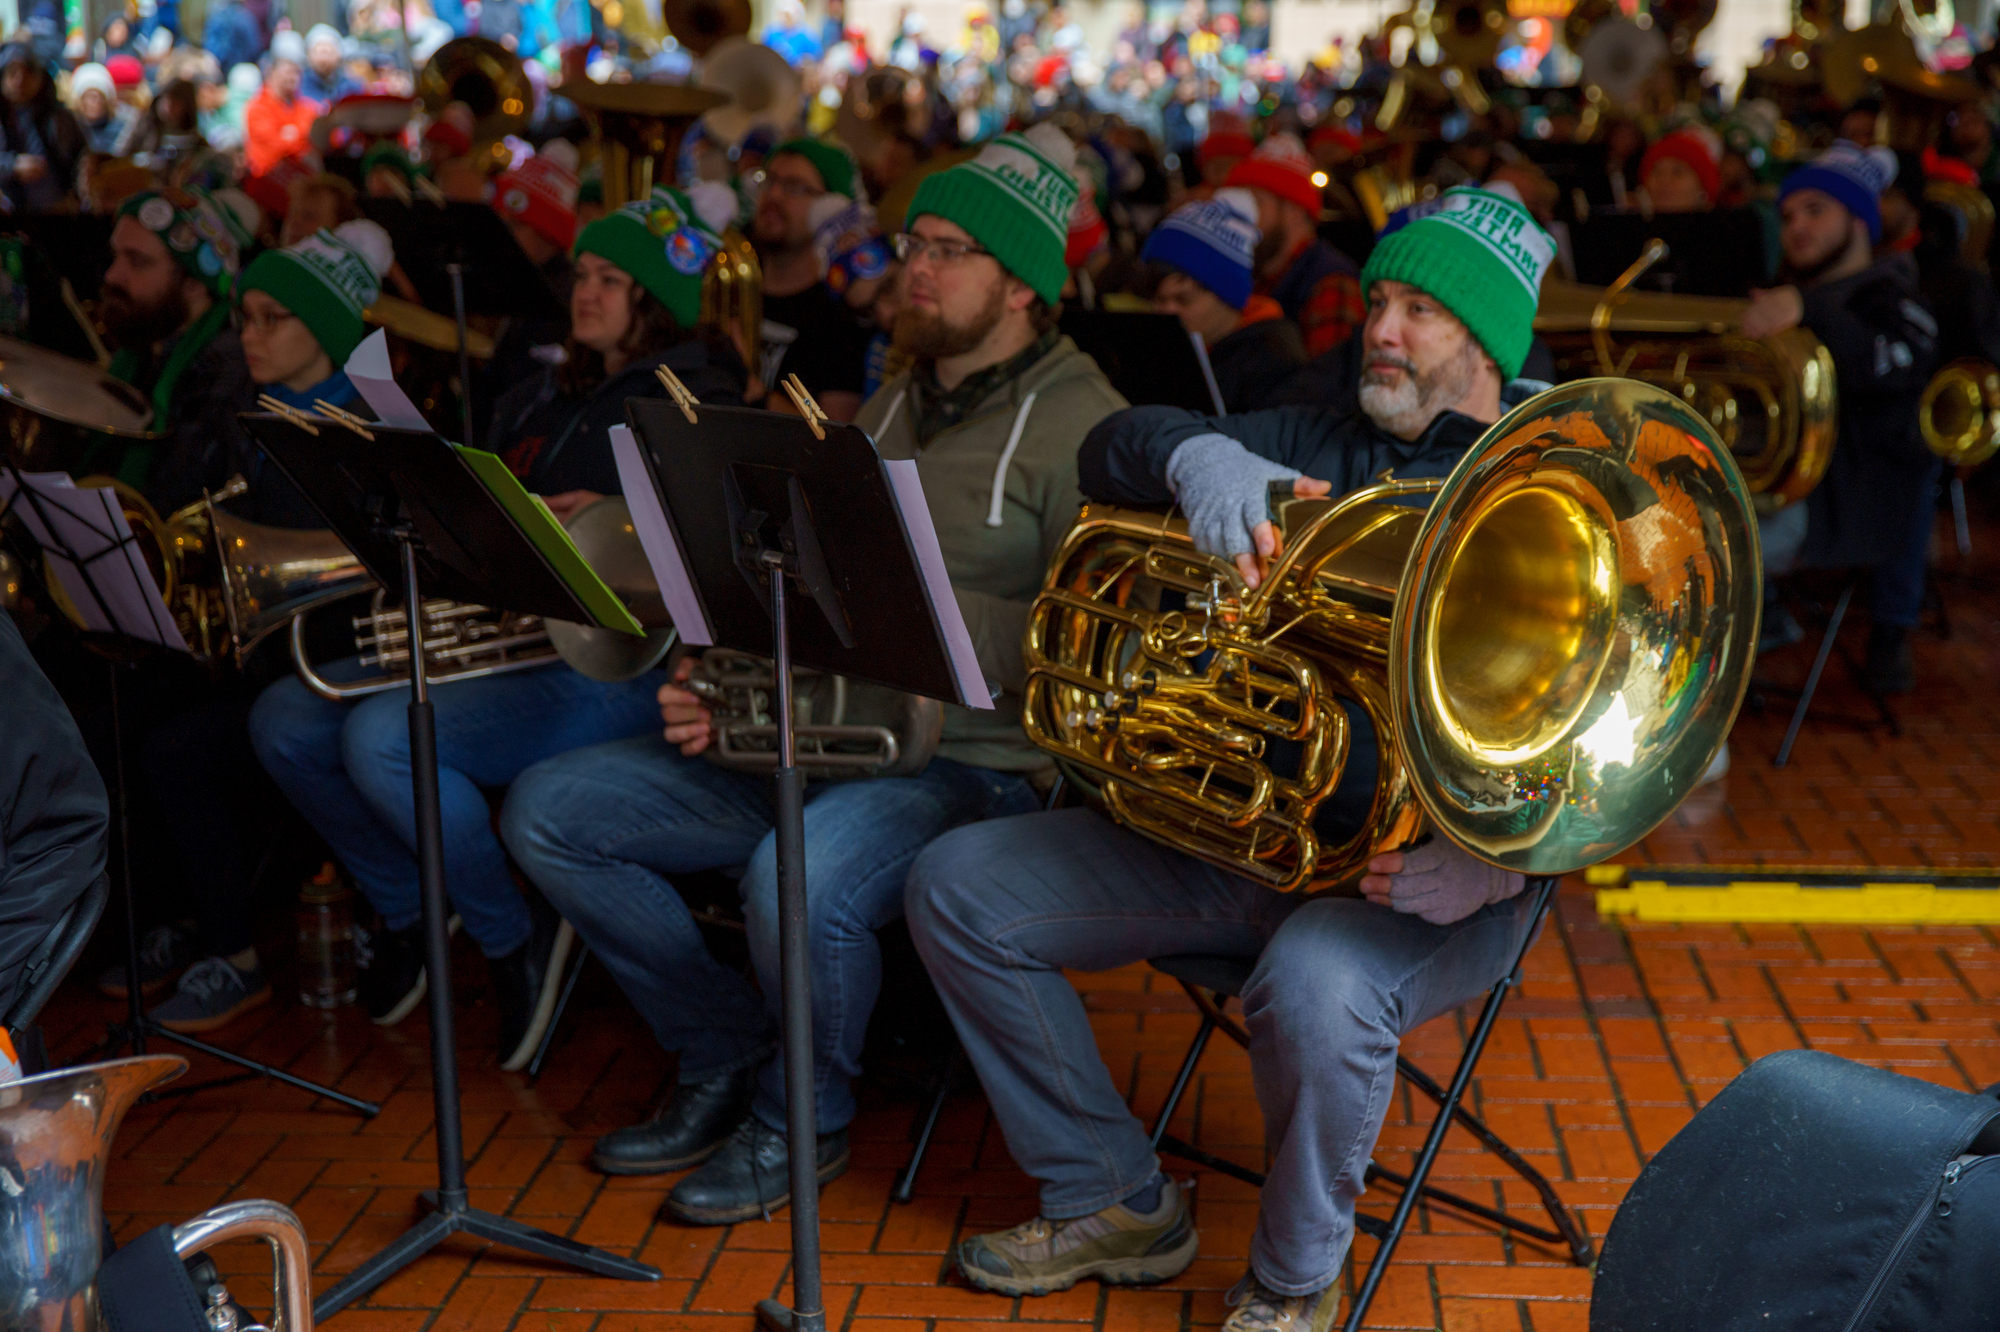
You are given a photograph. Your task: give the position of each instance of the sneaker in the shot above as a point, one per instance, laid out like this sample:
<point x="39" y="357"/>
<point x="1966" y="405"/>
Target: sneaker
<point x="1255" y="1308"/>
<point x="526" y="982"/>
<point x="164" y="953"/>
<point x="212" y="992"/>
<point x="699" y="1118"/>
<point x="1892" y="664"/>
<point x="1118" y="1246"/>
<point x="392" y="984"/>
<point x="750" y="1175"/>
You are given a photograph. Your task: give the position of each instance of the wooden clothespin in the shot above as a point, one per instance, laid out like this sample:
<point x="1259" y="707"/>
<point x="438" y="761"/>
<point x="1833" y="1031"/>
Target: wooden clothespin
<point x="807" y="407"/>
<point x="344" y="417"/>
<point x="289" y="412"/>
<point x="678" y="392"/>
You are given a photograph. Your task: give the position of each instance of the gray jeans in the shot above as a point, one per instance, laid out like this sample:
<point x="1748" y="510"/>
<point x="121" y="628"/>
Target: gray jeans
<point x="1000" y="909"/>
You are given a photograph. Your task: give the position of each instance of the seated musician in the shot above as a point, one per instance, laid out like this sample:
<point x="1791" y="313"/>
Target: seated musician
<point x="165" y="303"/>
<point x="992" y="410"/>
<point x="1876" y="506"/>
<point x="999" y="910"/>
<point x="346" y="767"/>
<point x="1682" y="171"/>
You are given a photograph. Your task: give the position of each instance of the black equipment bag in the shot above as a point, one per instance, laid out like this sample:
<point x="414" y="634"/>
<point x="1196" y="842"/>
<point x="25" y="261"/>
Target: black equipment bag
<point x="1813" y="1195"/>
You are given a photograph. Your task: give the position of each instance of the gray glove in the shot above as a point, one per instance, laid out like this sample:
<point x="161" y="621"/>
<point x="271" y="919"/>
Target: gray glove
<point x="1442" y="883"/>
<point x="1224" y="489"/>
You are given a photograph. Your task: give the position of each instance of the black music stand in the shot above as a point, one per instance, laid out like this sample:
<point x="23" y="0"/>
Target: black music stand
<point x="759" y="508"/>
<point x="1151" y="359"/>
<point x="417" y="514"/>
<point x="123" y="641"/>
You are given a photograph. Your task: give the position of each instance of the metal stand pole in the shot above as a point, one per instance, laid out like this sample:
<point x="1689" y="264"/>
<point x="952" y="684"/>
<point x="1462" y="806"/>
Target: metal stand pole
<point x="457" y="272"/>
<point x="452" y="1214"/>
<point x="807" y="1313"/>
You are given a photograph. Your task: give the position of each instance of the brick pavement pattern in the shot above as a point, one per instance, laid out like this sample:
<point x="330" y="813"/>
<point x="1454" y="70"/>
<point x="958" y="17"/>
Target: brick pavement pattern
<point x="1618" y="1036"/>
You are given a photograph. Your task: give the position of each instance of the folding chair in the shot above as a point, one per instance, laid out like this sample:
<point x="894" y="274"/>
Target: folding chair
<point x="1829" y="639"/>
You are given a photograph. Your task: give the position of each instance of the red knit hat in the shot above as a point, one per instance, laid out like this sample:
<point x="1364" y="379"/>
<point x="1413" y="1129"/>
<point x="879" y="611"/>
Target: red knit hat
<point x="1224" y="143"/>
<point x="1335" y="133"/>
<point x="1281" y="166"/>
<point x="450" y="135"/>
<point x="1087" y="229"/>
<point x="125" y="71"/>
<point x="1939" y="167"/>
<point x="541" y="193"/>
<point x="1691" y="145"/>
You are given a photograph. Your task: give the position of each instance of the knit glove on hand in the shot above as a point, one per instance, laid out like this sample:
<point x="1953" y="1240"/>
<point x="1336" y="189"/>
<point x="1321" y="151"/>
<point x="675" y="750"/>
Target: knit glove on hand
<point x="1442" y="883"/>
<point x="1224" y="489"/>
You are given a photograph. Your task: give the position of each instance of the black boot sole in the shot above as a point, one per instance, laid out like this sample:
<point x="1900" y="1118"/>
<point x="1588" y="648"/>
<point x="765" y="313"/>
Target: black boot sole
<point x="724" y="1216"/>
<point x="659" y="1166"/>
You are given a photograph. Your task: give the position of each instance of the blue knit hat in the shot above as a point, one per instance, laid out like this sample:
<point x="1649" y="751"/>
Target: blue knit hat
<point x="1212" y="241"/>
<point x="1852" y="175"/>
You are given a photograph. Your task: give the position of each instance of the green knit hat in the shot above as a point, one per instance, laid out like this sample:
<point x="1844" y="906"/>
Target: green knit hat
<point x="327" y="280"/>
<point x="205" y="233"/>
<point x="1482" y="256"/>
<point x="1015" y="198"/>
<point x="663" y="243"/>
<point x="390" y="155"/>
<point x="833" y="162"/>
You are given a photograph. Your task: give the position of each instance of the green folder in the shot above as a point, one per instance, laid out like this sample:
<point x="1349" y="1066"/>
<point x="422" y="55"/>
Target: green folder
<point x="541" y="527"/>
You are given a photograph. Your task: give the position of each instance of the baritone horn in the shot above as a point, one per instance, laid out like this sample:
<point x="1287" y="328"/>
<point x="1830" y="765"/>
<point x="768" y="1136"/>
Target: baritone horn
<point x="1548" y="656"/>
<point x="56" y="1132"/>
<point x="1770" y="400"/>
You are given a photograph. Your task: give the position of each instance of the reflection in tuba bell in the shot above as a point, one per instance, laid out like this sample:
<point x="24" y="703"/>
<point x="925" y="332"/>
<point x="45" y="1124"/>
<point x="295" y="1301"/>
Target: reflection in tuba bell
<point x="55" y="1140"/>
<point x="1770" y="400"/>
<point x="1548" y="657"/>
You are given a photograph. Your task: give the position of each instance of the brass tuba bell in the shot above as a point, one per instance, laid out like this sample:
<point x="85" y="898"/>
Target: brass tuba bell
<point x="1548" y="657"/>
<point x="492" y="83"/>
<point x="1959" y="413"/>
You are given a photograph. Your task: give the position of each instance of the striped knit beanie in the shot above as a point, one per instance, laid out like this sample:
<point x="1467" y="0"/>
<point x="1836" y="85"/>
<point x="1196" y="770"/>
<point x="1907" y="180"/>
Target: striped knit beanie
<point x="1213" y="241"/>
<point x="1853" y="176"/>
<point x="327" y="280"/>
<point x="664" y="243"/>
<point x="1015" y="198"/>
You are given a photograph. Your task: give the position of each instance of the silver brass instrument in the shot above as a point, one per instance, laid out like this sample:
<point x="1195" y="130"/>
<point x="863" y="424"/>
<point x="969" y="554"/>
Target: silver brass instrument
<point x="55" y="1145"/>
<point x="841" y="727"/>
<point x="1550" y="654"/>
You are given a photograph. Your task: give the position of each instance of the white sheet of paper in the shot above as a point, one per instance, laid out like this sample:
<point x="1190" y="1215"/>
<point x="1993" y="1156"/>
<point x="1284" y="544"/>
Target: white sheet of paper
<point x="368" y="367"/>
<point x="91" y="522"/>
<point x="909" y="492"/>
<point x="649" y="520"/>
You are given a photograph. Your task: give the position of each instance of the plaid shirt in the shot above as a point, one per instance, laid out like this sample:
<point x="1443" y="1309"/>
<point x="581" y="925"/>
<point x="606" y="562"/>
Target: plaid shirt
<point x="1333" y="313"/>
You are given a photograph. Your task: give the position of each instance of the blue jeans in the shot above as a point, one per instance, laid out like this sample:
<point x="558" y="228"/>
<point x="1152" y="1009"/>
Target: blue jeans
<point x="602" y="830"/>
<point x="998" y="911"/>
<point x="346" y="766"/>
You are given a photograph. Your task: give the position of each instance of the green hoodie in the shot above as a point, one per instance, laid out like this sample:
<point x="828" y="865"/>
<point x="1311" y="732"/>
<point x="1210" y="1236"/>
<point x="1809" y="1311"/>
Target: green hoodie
<point x="997" y="553"/>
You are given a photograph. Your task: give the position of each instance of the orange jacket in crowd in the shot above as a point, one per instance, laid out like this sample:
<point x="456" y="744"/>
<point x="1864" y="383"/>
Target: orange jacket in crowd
<point x="273" y="131"/>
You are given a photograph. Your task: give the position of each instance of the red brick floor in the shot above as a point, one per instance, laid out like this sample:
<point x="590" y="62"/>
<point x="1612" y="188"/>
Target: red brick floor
<point x="1619" y="1035"/>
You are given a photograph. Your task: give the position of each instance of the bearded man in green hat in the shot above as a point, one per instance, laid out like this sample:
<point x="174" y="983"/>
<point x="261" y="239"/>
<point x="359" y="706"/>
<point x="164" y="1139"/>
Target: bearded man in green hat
<point x="1000" y="909"/>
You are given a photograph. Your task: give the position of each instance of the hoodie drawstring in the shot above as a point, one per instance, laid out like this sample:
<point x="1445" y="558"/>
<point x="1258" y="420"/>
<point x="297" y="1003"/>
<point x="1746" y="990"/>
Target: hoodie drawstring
<point x="1006" y="457"/>
<point x="889" y="417"/>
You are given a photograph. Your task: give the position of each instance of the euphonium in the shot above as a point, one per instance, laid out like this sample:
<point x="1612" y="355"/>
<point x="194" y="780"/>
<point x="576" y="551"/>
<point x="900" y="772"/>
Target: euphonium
<point x="1770" y="400"/>
<point x="1548" y="656"/>
<point x="55" y="1144"/>
<point x="1960" y="412"/>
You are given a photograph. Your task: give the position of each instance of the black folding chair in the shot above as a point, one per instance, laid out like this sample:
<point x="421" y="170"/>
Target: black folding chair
<point x="57" y="953"/>
<point x="1211" y="981"/>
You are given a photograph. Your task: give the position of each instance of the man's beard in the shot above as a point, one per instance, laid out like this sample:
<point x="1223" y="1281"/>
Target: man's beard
<point x="1269" y="246"/>
<point x="1804" y="275"/>
<point x="138" y="326"/>
<point x="1406" y="406"/>
<point x="928" y="337"/>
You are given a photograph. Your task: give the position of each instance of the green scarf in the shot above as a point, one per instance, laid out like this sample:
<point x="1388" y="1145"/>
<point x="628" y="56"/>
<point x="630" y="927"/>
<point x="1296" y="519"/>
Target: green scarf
<point x="136" y="467"/>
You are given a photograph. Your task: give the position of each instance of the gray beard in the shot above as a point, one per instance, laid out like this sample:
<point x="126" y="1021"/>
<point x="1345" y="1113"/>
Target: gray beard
<point x="1407" y="407"/>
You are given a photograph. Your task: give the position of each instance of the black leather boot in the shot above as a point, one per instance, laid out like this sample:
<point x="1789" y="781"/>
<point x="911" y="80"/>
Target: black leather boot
<point x="749" y="1176"/>
<point x="698" y="1119"/>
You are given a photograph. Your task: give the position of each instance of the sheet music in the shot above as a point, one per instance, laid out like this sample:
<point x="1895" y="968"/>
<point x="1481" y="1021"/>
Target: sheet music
<point x="92" y="524"/>
<point x="649" y="520"/>
<point x="908" y="490"/>
<point x="369" y="369"/>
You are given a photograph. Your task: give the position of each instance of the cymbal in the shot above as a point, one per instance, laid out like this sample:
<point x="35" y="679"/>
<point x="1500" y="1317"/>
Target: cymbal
<point x="426" y="328"/>
<point x="643" y="99"/>
<point x="762" y="90"/>
<point x="73" y="392"/>
<point x="700" y="25"/>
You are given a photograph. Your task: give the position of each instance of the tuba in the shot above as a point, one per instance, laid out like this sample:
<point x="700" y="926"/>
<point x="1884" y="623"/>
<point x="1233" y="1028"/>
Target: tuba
<point x="1548" y="656"/>
<point x="55" y="1144"/>
<point x="492" y="83"/>
<point x="1771" y="400"/>
<point x="1959" y="413"/>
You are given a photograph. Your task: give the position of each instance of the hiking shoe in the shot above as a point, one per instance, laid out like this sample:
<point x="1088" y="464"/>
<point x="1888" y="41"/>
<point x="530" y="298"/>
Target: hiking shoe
<point x="699" y="1118"/>
<point x="526" y="983"/>
<point x="749" y="1176"/>
<point x="392" y="984"/>
<point x="212" y="992"/>
<point x="1118" y="1246"/>
<point x="1255" y="1308"/>
<point x="164" y="953"/>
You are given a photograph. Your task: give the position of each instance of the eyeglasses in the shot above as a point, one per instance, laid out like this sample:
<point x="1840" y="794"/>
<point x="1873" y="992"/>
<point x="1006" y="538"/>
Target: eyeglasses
<point x="911" y="247"/>
<point x="793" y="186"/>
<point x="266" y="323"/>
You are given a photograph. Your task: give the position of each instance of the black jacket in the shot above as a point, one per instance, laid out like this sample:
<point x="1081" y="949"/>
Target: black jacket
<point x="1255" y="361"/>
<point x="46" y="129"/>
<point x="1124" y="460"/>
<point x="1884" y="345"/>
<point x="53" y="812"/>
<point x="206" y="443"/>
<point x="557" y="442"/>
